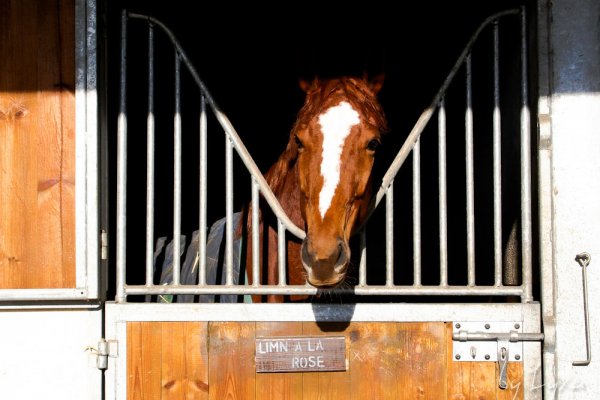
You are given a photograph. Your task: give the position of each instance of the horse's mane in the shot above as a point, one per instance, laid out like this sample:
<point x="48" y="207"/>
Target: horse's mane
<point x="320" y="95"/>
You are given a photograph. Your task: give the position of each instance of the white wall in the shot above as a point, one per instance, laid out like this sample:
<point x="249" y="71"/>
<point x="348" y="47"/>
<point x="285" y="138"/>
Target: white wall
<point x="45" y="354"/>
<point x="573" y="105"/>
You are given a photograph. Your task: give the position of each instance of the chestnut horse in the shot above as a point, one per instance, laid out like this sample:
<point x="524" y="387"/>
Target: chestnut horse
<point x="323" y="182"/>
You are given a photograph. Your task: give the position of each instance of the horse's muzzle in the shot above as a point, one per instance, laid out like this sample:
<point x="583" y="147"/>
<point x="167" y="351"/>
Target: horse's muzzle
<point x="325" y="267"/>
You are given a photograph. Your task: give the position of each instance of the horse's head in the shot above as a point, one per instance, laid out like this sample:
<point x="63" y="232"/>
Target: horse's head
<point x="337" y="133"/>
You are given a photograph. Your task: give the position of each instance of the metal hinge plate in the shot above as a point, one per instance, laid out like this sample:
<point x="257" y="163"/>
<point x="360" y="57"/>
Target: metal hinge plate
<point x="103" y="245"/>
<point x="106" y="348"/>
<point x="486" y="350"/>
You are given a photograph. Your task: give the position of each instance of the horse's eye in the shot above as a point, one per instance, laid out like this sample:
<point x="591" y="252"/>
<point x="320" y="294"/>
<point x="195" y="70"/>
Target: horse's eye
<point x="298" y="142"/>
<point x="373" y="145"/>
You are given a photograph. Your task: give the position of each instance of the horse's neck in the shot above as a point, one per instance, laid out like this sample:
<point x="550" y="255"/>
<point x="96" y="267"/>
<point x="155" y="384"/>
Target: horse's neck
<point x="288" y="195"/>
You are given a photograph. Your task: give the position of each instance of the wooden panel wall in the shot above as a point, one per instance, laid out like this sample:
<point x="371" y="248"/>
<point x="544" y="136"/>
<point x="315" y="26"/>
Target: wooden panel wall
<point x="200" y="360"/>
<point x="37" y="144"/>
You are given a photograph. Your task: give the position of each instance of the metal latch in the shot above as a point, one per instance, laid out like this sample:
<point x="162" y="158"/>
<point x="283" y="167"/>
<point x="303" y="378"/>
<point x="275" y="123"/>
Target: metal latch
<point x="499" y="342"/>
<point x="105" y="349"/>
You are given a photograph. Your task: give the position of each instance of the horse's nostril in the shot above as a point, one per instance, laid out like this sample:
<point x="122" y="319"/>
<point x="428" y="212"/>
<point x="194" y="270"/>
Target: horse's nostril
<point x="336" y="258"/>
<point x="342" y="259"/>
<point x="305" y="256"/>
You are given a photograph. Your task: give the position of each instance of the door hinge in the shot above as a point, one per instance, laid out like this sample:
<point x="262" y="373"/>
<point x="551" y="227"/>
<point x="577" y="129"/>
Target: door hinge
<point x="103" y="244"/>
<point x="499" y="342"/>
<point x="106" y="348"/>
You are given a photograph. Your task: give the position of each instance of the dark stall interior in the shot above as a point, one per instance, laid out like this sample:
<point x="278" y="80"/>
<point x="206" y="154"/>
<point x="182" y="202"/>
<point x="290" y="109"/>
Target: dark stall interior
<point x="251" y="56"/>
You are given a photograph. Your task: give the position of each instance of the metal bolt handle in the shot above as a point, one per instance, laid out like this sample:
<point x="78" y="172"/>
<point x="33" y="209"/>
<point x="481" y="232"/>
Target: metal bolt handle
<point x="584" y="260"/>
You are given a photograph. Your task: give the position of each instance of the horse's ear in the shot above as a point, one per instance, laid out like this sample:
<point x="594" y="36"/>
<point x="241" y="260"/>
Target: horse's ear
<point x="306" y="85"/>
<point x="376" y="82"/>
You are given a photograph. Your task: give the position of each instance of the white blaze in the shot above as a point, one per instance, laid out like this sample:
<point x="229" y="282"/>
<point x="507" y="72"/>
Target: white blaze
<point x="336" y="124"/>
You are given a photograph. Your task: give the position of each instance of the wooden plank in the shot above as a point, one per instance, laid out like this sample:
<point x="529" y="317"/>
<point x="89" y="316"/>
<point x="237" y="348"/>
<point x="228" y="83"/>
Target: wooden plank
<point x="326" y="385"/>
<point x="483" y="380"/>
<point x="184" y="361"/>
<point x="422" y="355"/>
<point x="169" y="360"/>
<point x="231" y="359"/>
<point x="144" y="341"/>
<point x="283" y="385"/>
<point x="68" y="139"/>
<point x="374" y="362"/>
<point x="37" y="142"/>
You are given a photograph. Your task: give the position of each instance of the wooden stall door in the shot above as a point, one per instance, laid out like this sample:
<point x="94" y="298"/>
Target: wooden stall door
<point x="386" y="361"/>
<point x="37" y="144"/>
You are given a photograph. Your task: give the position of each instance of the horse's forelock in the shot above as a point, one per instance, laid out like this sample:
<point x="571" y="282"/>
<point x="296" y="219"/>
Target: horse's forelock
<point x="331" y="92"/>
<point x="320" y="97"/>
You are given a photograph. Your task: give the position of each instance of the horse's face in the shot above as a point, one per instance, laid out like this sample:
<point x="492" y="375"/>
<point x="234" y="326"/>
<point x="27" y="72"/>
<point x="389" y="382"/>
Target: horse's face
<point x="336" y="144"/>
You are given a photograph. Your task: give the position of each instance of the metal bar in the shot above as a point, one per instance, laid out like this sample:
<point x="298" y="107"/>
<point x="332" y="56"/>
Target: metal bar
<point x="428" y="112"/>
<point x="362" y="268"/>
<point x="177" y="173"/>
<point x="469" y="176"/>
<point x="281" y="253"/>
<point x="228" y="211"/>
<point x="497" y="160"/>
<point x="121" y="250"/>
<point x="526" y="235"/>
<point x="60" y="295"/>
<point x="255" y="234"/>
<point x="315" y="312"/>
<point x="417" y="213"/>
<point x="443" y="202"/>
<point x="203" y="194"/>
<point x="266" y="191"/>
<point x="584" y="260"/>
<point x="233" y="141"/>
<point x="493" y="336"/>
<point x="389" y="236"/>
<point x="305" y="289"/>
<point x="150" y="162"/>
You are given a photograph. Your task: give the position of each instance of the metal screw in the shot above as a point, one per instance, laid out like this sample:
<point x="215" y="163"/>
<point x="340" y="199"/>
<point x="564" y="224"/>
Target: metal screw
<point x="457" y="356"/>
<point x="457" y="325"/>
<point x="487" y="326"/>
<point x="487" y="356"/>
<point x="517" y="357"/>
<point x="517" y="326"/>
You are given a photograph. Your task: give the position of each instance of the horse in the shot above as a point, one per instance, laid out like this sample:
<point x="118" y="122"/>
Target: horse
<point x="323" y="181"/>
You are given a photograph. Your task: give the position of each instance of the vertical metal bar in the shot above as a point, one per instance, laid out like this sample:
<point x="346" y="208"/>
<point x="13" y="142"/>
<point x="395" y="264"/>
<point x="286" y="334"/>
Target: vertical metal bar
<point x="281" y="256"/>
<point x="362" y="268"/>
<point x="150" y="162"/>
<point x="470" y="180"/>
<point x="443" y="194"/>
<point x="497" y="159"/>
<point x="121" y="251"/>
<point x="177" y="173"/>
<point x="389" y="235"/>
<point x="228" y="211"/>
<point x="255" y="234"/>
<point x="526" y="241"/>
<point x="202" y="194"/>
<point x="417" y="213"/>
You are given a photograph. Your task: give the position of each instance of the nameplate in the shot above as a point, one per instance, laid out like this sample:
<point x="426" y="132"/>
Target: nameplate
<point x="301" y="354"/>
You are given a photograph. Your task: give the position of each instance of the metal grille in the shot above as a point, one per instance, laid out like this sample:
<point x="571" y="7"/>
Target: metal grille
<point x="411" y="146"/>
